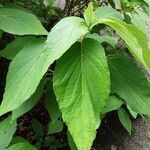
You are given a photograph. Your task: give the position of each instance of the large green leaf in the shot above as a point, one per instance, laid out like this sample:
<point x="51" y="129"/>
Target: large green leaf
<point x="129" y="82"/>
<point x="21" y="146"/>
<point x="7" y="130"/>
<point x="135" y="39"/>
<point x="81" y="85"/>
<point x="29" y="66"/>
<point x="30" y="103"/>
<point x="20" y="22"/>
<point x="12" y="49"/>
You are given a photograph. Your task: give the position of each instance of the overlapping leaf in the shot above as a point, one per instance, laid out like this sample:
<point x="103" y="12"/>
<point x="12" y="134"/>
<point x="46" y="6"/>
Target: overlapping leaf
<point x="130" y="83"/>
<point x="20" y="22"/>
<point x="81" y="85"/>
<point x="28" y="67"/>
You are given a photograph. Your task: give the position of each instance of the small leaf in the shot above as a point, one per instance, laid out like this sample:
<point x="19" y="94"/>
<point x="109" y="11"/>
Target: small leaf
<point x="7" y="130"/>
<point x="51" y="103"/>
<point x="133" y="113"/>
<point x="20" y="22"/>
<point x="55" y="127"/>
<point x="124" y="119"/>
<point x="81" y="84"/>
<point x="113" y="103"/>
<point x="38" y="128"/>
<point x="12" y="49"/>
<point x="30" y="103"/>
<point x="21" y="146"/>
<point x="130" y="83"/>
<point x="89" y="15"/>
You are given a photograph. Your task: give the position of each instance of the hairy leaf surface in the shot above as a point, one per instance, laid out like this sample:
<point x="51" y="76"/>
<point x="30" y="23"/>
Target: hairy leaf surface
<point x="81" y="85"/>
<point x="29" y="66"/>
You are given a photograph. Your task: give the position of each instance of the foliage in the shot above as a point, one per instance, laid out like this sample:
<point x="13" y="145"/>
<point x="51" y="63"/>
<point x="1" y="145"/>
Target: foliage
<point x="87" y="66"/>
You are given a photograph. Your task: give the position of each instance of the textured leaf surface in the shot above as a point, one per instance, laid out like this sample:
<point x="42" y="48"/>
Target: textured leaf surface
<point x="21" y="146"/>
<point x="124" y="119"/>
<point x="20" y="22"/>
<point x="135" y="39"/>
<point x="129" y="82"/>
<point x="30" y="103"/>
<point x="7" y="130"/>
<point x="113" y="103"/>
<point x="12" y="49"/>
<point x="81" y="85"/>
<point x="29" y="66"/>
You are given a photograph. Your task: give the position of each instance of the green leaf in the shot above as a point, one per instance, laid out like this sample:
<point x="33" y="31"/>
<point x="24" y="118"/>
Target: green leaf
<point x="113" y="103"/>
<point x="30" y="103"/>
<point x="51" y="103"/>
<point x="55" y="127"/>
<point x="124" y="119"/>
<point x="135" y="39"/>
<point x="130" y="83"/>
<point x="64" y="34"/>
<point x="20" y="22"/>
<point x="38" y="128"/>
<point x="107" y="12"/>
<point x="139" y="18"/>
<point x="81" y="85"/>
<point x="7" y="130"/>
<point x="89" y="15"/>
<point x="18" y="139"/>
<point x="133" y="113"/>
<point x="21" y="146"/>
<point x="106" y="38"/>
<point x="29" y="66"/>
<point x="12" y="49"/>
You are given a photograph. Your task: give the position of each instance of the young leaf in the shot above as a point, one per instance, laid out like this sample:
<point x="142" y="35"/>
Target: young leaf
<point x="12" y="49"/>
<point x="135" y="39"/>
<point x="29" y="66"/>
<point x="7" y="130"/>
<point x="113" y="103"/>
<point x="30" y="103"/>
<point x="18" y="139"/>
<point x="38" y="128"/>
<point x="81" y="85"/>
<point x="55" y="127"/>
<point x="20" y="22"/>
<point x="124" y="119"/>
<point x="133" y="113"/>
<point x="129" y="82"/>
<point x="51" y="103"/>
<point x="21" y="146"/>
<point x="89" y="15"/>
